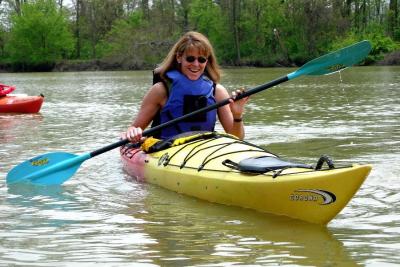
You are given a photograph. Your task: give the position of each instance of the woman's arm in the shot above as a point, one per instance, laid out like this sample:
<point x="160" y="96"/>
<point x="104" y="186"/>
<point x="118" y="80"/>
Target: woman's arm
<point x="230" y="115"/>
<point x="152" y="102"/>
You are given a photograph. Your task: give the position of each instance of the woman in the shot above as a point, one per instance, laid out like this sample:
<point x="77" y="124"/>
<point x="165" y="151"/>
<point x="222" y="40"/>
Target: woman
<point x="189" y="81"/>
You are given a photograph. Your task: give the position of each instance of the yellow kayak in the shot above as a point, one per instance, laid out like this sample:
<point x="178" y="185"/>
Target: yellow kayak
<point x="222" y="169"/>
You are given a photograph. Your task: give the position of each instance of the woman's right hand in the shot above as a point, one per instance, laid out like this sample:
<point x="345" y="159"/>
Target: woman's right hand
<point x="134" y="134"/>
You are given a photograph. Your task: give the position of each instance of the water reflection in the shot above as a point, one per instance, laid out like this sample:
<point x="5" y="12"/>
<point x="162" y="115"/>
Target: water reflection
<point x="193" y="232"/>
<point x="58" y="206"/>
<point x="10" y="124"/>
<point x="100" y="215"/>
<point x="44" y="222"/>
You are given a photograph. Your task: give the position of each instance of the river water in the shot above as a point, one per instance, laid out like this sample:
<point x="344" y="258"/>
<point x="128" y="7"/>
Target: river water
<point x="103" y="217"/>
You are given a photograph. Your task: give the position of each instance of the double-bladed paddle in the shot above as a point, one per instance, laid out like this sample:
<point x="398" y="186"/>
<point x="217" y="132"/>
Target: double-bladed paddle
<point x="57" y="167"/>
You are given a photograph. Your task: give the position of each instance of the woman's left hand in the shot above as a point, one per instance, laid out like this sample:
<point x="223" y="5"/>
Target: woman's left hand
<point x="237" y="107"/>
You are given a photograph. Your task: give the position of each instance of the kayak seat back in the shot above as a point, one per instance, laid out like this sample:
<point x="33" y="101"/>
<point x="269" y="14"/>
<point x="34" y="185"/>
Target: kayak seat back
<point x="263" y="164"/>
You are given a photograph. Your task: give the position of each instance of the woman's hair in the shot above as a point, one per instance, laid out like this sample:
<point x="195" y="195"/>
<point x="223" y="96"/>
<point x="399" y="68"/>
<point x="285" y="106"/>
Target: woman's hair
<point x="189" y="41"/>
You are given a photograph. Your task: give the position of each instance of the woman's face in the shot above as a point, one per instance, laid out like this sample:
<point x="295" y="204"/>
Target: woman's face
<point x="192" y="63"/>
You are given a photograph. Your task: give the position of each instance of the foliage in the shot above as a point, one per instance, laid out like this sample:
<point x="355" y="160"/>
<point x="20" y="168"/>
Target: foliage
<point x="132" y="34"/>
<point x="259" y="32"/>
<point x="205" y="17"/>
<point x="381" y="44"/>
<point x="39" y="36"/>
<point x="119" y="43"/>
<point x="96" y="18"/>
<point x="3" y="37"/>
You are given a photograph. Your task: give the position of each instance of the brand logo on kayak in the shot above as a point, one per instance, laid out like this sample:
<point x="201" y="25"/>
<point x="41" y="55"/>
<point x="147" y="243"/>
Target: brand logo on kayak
<point x="337" y="67"/>
<point x="313" y="195"/>
<point x="40" y="162"/>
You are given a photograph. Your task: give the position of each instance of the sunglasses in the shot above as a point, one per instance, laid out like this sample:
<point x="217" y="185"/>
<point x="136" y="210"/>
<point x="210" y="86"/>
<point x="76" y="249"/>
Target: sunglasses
<point x="200" y="59"/>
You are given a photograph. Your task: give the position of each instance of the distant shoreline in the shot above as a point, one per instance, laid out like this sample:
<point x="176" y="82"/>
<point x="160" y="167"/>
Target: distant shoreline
<point x="391" y="59"/>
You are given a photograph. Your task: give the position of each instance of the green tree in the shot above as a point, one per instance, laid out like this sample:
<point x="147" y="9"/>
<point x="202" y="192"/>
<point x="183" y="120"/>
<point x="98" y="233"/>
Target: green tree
<point x="3" y="37"/>
<point x="122" y="43"/>
<point x="206" y="17"/>
<point x="94" y="19"/>
<point x="133" y="34"/>
<point x="39" y="36"/>
<point x="261" y="28"/>
<point x="393" y="19"/>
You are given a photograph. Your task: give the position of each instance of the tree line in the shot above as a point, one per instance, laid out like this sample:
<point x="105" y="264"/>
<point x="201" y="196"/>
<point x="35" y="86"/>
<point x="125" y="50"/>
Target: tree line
<point x="137" y="34"/>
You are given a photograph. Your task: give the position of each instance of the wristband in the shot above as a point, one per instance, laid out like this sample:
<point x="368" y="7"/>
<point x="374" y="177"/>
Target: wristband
<point x="238" y="120"/>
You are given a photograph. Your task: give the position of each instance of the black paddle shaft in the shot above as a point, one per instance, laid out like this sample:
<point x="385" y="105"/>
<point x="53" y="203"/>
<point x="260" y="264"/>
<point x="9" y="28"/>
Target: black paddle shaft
<point x="224" y="102"/>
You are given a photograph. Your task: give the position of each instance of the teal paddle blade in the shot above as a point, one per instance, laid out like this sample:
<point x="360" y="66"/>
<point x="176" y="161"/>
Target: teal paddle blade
<point x="335" y="61"/>
<point x="47" y="169"/>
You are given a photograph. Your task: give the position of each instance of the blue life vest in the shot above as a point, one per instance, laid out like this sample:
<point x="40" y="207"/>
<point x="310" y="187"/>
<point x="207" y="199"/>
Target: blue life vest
<point x="186" y="96"/>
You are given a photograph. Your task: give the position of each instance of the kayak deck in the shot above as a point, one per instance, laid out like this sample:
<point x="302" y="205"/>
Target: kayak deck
<point x="20" y="104"/>
<point x="198" y="169"/>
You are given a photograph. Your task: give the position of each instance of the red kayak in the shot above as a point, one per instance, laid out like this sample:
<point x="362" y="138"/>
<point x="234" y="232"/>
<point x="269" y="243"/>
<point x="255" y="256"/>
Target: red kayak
<point x="20" y="103"/>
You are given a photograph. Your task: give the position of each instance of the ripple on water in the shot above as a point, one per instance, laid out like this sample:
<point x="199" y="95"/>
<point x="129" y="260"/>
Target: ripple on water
<point x="101" y="216"/>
